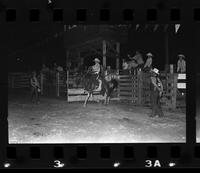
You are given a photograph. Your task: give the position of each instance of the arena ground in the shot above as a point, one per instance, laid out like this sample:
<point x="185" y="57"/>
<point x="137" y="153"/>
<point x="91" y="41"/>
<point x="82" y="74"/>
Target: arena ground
<point x="56" y="121"/>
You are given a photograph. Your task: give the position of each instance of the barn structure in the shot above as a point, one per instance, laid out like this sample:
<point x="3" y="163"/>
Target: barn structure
<point x="107" y="41"/>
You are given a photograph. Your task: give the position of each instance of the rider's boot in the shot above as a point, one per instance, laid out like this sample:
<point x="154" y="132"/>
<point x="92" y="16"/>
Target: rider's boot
<point x="100" y="83"/>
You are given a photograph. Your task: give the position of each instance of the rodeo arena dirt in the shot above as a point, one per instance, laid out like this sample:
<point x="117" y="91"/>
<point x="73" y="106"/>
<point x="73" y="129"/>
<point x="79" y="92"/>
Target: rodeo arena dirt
<point x="62" y="115"/>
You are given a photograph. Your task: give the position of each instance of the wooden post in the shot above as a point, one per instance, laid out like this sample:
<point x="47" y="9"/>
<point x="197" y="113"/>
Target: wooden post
<point x="132" y="86"/>
<point x="12" y="81"/>
<point x="41" y="82"/>
<point x="166" y="51"/>
<point x="67" y="73"/>
<point x="58" y="84"/>
<point x="104" y="53"/>
<point x="67" y="59"/>
<point x="174" y="90"/>
<point x="79" y="58"/>
<point x="118" y="54"/>
<point x="140" y="83"/>
<point x="67" y="84"/>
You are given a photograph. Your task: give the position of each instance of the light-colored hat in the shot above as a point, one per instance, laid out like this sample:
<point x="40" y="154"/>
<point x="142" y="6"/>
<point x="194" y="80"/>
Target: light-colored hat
<point x="96" y="60"/>
<point x="181" y="55"/>
<point x="155" y="70"/>
<point x="149" y="54"/>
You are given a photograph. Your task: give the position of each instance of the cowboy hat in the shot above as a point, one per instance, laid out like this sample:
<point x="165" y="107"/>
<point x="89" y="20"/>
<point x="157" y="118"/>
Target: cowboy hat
<point x="96" y="60"/>
<point x="149" y="54"/>
<point x="155" y="70"/>
<point x="181" y="55"/>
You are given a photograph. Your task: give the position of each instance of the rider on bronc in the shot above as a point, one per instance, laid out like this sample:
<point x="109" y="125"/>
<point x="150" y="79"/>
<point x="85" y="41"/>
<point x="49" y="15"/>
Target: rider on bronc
<point x="96" y="70"/>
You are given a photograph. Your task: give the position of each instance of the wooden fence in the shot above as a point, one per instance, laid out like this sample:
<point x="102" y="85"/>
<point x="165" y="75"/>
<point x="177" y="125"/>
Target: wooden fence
<point x="18" y="80"/>
<point x="134" y="88"/>
<point x="53" y="84"/>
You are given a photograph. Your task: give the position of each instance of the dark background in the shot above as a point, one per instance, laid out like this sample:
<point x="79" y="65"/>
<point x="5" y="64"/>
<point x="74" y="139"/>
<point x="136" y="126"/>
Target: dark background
<point x="20" y="41"/>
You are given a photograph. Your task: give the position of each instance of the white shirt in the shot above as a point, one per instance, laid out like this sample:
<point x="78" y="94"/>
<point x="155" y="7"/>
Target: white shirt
<point x="34" y="82"/>
<point x="181" y="66"/>
<point x="124" y="65"/>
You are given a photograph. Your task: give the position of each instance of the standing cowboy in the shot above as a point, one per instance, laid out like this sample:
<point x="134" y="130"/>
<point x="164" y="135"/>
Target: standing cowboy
<point x="148" y="63"/>
<point x="181" y="64"/>
<point x="96" y="70"/>
<point x="156" y="88"/>
<point x="35" y="87"/>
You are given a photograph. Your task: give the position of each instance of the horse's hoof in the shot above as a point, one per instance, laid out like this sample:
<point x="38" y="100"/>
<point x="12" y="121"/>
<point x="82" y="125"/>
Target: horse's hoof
<point x="84" y="106"/>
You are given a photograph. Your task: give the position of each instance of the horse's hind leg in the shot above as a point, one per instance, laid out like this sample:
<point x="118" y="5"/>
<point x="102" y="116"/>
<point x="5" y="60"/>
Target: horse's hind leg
<point x="108" y="102"/>
<point x="86" y="100"/>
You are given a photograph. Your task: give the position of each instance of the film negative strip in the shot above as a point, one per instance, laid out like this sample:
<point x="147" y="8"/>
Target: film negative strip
<point x="99" y="84"/>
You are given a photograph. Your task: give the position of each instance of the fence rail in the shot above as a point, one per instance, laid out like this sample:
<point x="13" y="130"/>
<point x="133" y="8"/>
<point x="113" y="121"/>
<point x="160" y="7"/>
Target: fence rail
<point x="132" y="87"/>
<point x="136" y="89"/>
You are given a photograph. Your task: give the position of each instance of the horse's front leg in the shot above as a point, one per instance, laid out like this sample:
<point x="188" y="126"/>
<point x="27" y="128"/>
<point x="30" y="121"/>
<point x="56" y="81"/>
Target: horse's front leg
<point x="86" y="100"/>
<point x="105" y="98"/>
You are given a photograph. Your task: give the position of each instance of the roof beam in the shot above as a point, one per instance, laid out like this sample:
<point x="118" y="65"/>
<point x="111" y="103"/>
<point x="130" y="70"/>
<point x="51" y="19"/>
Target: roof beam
<point x="84" y="43"/>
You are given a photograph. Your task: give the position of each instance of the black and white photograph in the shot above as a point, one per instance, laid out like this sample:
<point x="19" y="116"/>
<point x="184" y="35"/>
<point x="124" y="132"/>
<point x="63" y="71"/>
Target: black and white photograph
<point x="122" y="83"/>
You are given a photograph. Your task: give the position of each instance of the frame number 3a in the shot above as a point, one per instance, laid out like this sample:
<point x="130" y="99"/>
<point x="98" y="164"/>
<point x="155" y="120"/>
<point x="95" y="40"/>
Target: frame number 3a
<point x="152" y="163"/>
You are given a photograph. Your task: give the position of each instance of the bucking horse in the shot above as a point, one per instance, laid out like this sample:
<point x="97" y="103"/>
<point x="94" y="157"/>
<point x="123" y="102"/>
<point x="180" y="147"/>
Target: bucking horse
<point x="109" y="84"/>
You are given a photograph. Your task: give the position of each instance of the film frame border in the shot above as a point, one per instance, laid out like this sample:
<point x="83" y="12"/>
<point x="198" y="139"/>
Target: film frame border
<point x="81" y="156"/>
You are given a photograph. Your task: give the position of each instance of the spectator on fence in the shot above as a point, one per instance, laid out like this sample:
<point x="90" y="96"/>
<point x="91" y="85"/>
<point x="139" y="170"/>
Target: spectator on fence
<point x="124" y="64"/>
<point x="35" y="87"/>
<point x="139" y="59"/>
<point x="148" y="63"/>
<point x="156" y="88"/>
<point x="108" y="69"/>
<point x="131" y="58"/>
<point x="60" y="69"/>
<point x="55" y="66"/>
<point x="44" y="68"/>
<point x="125" y="67"/>
<point x="181" y="64"/>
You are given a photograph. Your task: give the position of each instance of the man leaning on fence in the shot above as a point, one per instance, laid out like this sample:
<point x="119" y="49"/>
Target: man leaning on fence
<point x="35" y="87"/>
<point x="148" y="64"/>
<point x="181" y="64"/>
<point x="156" y="88"/>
